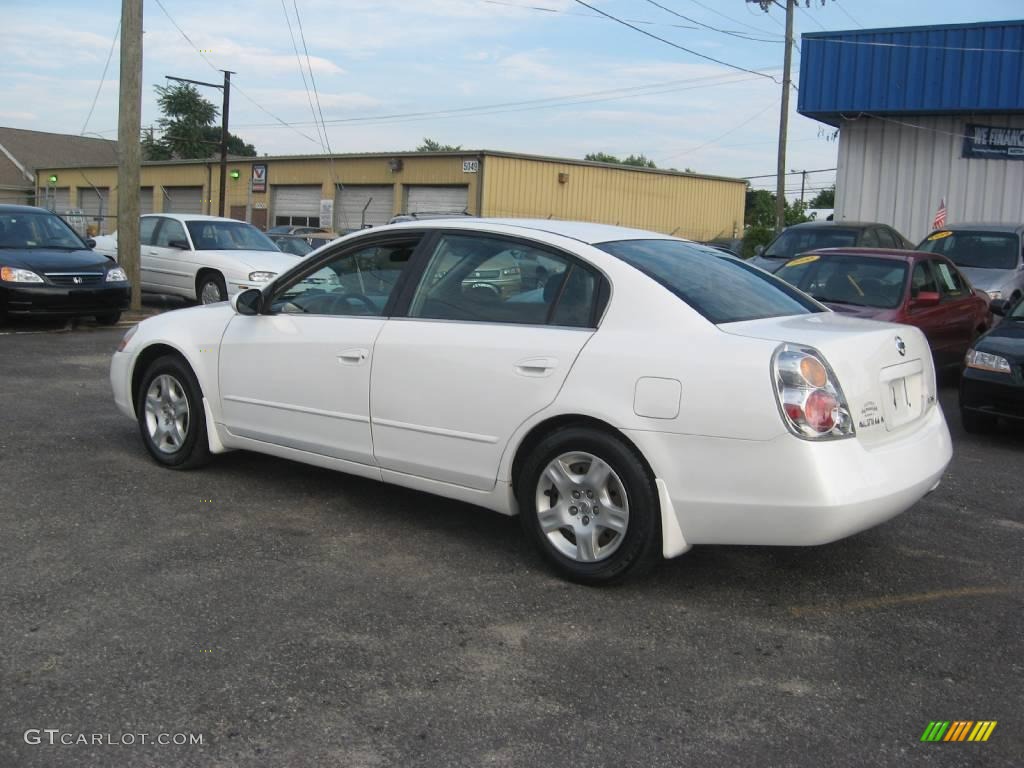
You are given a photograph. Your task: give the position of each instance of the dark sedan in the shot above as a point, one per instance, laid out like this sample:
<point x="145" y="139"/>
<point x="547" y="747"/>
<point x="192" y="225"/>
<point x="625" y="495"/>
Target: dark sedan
<point x="992" y="384"/>
<point x="920" y="289"/>
<point x="47" y="269"/>
<point x="814" y="235"/>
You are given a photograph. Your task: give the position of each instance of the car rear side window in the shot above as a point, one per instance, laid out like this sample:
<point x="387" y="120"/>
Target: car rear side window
<point x="721" y="288"/>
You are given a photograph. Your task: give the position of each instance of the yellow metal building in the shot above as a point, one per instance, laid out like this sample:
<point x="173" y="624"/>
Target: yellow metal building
<point x="350" y="191"/>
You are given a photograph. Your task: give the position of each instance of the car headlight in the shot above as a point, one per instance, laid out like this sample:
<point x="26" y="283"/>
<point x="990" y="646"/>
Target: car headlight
<point x="117" y="275"/>
<point x="985" y="361"/>
<point x="995" y="295"/>
<point x="16" y="275"/>
<point x="261" y="277"/>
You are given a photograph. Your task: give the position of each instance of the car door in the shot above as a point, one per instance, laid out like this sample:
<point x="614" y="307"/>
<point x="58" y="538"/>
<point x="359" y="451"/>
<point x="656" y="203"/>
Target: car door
<point x="479" y="351"/>
<point x="298" y="374"/>
<point x="168" y="268"/>
<point x="147" y="234"/>
<point x="958" y="302"/>
<point x="928" y="317"/>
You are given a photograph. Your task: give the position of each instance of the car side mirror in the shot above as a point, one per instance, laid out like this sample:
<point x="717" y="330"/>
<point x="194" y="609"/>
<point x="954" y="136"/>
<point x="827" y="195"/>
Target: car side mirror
<point x="248" y="302"/>
<point x="998" y="307"/>
<point x="926" y="299"/>
<point x="758" y="250"/>
<point x="90" y="243"/>
<point x="179" y="244"/>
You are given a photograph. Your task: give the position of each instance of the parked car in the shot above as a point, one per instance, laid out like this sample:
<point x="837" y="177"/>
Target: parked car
<point x="613" y="410"/>
<point x="990" y="255"/>
<point x="47" y="269"/>
<point x="426" y="215"/>
<point x="909" y="287"/>
<point x="294" y="229"/>
<point x="732" y="246"/>
<point x="815" y="235"/>
<point x="202" y="258"/>
<point x="992" y="383"/>
<point x="293" y="244"/>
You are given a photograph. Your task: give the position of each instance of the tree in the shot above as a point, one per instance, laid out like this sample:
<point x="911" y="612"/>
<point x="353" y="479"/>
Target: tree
<point x="638" y="161"/>
<point x="759" y="216"/>
<point x="187" y="128"/>
<point x="826" y="198"/>
<point x="429" y="145"/>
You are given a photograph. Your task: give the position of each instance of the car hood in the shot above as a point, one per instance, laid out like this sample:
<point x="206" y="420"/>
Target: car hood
<point x="1005" y="340"/>
<point x="272" y="261"/>
<point x="53" y="259"/>
<point x="987" y="279"/>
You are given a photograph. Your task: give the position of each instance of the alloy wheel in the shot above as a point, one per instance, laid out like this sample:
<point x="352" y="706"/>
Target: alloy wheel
<point x="167" y="413"/>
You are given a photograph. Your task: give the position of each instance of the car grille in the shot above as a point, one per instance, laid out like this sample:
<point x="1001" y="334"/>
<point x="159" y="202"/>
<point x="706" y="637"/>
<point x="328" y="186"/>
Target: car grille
<point x="74" y="278"/>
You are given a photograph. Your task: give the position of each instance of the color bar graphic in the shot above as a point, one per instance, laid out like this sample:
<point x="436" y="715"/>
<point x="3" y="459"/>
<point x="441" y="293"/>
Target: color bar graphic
<point x="958" y="730"/>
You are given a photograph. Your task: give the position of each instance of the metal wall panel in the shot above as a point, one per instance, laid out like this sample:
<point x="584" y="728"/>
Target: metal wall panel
<point x="145" y="200"/>
<point x="350" y="199"/>
<point x="183" y="200"/>
<point x="954" y="68"/>
<point x="898" y="173"/>
<point x="95" y="205"/>
<point x="694" y="207"/>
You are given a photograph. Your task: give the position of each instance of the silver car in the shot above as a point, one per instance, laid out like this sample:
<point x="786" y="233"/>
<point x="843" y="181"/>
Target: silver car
<point x="990" y="255"/>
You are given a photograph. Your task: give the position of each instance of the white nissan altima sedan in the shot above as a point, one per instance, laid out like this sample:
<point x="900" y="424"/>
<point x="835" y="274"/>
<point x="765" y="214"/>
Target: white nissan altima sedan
<point x="646" y="395"/>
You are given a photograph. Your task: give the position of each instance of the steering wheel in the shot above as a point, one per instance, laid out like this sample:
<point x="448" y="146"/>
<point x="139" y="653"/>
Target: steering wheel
<point x="338" y="299"/>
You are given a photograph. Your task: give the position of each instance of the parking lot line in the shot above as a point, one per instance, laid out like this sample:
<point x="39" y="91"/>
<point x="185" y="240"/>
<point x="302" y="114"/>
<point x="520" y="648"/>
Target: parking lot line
<point x="911" y="599"/>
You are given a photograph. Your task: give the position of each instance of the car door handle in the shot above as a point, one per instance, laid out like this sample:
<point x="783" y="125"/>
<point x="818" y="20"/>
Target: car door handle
<point x="536" y="366"/>
<point x="353" y="356"/>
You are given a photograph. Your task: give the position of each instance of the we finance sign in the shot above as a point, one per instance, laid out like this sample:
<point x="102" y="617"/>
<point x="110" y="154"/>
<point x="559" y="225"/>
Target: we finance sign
<point x="992" y="143"/>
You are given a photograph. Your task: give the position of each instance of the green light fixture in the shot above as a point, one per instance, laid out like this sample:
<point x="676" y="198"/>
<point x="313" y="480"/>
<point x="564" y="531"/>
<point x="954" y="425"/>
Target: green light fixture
<point x="235" y="174"/>
<point x="53" y="178"/>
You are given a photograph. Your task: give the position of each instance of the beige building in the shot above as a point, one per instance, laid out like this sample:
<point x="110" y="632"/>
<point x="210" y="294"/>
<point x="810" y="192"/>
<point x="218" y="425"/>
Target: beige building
<point x="351" y="191"/>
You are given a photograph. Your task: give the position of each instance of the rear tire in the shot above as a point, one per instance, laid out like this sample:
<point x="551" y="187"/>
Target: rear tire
<point x="211" y="288"/>
<point x="589" y="504"/>
<point x="111" y="318"/>
<point x="977" y="423"/>
<point x="169" y="410"/>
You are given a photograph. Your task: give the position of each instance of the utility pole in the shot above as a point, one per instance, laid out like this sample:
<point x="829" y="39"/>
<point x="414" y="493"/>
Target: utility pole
<point x="803" y="184"/>
<point x="780" y="183"/>
<point x="129" y="128"/>
<point x="226" y="87"/>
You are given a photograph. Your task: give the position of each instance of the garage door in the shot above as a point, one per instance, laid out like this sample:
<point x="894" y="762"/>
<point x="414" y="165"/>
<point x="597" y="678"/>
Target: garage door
<point x="57" y="199"/>
<point x="298" y="206"/>
<point x="349" y="202"/>
<point x="95" y="205"/>
<point x="183" y="199"/>
<point x="145" y="200"/>
<point x="436" y="199"/>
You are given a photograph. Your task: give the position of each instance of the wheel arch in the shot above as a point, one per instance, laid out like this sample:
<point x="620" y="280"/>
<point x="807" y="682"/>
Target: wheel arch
<point x="203" y="272"/>
<point x="145" y="358"/>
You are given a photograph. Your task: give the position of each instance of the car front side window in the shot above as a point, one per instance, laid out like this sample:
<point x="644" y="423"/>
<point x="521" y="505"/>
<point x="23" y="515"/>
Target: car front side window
<point x="492" y="280"/>
<point x="355" y="283"/>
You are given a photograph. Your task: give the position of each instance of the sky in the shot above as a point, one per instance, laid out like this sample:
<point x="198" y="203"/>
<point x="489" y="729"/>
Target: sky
<point x="548" y="77"/>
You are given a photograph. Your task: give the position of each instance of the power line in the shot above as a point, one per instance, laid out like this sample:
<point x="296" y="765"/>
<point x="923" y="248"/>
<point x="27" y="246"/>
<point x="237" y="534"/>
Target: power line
<point x="727" y="133"/>
<point x="676" y="45"/>
<point x="563" y="12"/>
<point x="103" y="77"/>
<point x="730" y="18"/>
<point x="713" y="29"/>
<point x="302" y="73"/>
<point x="847" y="15"/>
<point x="791" y="173"/>
<point x="242" y="93"/>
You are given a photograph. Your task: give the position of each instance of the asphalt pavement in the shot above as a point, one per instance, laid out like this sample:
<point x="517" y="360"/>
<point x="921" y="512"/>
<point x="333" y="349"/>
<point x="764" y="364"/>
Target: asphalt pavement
<point x="292" y="616"/>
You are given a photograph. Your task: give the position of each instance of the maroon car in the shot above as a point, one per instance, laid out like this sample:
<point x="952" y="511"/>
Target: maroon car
<point x="921" y="289"/>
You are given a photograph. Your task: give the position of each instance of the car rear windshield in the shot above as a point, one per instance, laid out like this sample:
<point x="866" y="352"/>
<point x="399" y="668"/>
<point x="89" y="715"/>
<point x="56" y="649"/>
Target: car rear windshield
<point x="227" y="236"/>
<point x="722" y="288"/>
<point x="980" y="250"/>
<point x="802" y="239"/>
<point x="29" y="229"/>
<point x="861" y="281"/>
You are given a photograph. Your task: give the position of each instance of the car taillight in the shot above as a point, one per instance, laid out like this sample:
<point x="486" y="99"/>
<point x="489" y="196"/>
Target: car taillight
<point x="809" y="395"/>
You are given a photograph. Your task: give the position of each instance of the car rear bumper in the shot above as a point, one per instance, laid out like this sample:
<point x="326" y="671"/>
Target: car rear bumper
<point x="995" y="394"/>
<point x="789" y="491"/>
<point x="30" y="300"/>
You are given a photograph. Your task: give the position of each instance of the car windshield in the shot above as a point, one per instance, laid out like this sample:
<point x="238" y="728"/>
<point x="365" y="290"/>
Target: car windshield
<point x="978" y="250"/>
<point x="227" y="236"/>
<point x="29" y="229"/>
<point x="293" y="245"/>
<point x="802" y="239"/>
<point x="861" y="281"/>
<point x="722" y="288"/>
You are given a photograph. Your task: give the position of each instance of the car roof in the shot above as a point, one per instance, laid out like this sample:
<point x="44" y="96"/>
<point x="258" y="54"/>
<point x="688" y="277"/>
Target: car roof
<point x="193" y="217"/>
<point x="12" y="208"/>
<point x="983" y="226"/>
<point x="583" y="231"/>
<point x="894" y="254"/>
<point x="843" y="224"/>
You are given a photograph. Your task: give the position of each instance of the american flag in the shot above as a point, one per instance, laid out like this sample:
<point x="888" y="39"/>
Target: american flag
<point x="940" y="215"/>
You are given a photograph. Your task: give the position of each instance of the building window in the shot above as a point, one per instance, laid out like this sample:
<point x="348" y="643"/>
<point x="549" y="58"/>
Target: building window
<point x="296" y="221"/>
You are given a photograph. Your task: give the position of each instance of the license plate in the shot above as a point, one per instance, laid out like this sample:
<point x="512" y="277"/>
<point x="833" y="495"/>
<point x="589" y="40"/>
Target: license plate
<point x="902" y="400"/>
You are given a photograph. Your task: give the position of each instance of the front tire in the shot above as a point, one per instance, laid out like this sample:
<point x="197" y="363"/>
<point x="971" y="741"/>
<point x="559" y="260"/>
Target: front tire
<point x="590" y="505"/>
<point x="211" y="288"/>
<point x="169" y="409"/>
